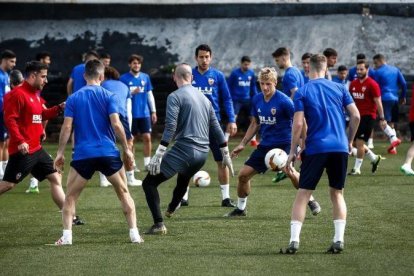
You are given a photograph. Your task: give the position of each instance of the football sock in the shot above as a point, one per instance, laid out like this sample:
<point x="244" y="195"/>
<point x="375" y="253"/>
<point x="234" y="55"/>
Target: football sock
<point x="1" y="169"/>
<point x="241" y="203"/>
<point x="371" y="156"/>
<point x="225" y="191"/>
<point x="130" y="176"/>
<point x="339" y="230"/>
<point x="254" y="138"/>
<point x="390" y="133"/>
<point x="311" y="198"/>
<point x="295" y="227"/>
<point x="133" y="234"/>
<point x="358" y="163"/>
<point x="185" y="197"/>
<point x="226" y="136"/>
<point x="5" y="164"/>
<point x="33" y="182"/>
<point x="147" y="160"/>
<point x="67" y="235"/>
<point x="370" y="141"/>
<point x="102" y="177"/>
<point x="150" y="185"/>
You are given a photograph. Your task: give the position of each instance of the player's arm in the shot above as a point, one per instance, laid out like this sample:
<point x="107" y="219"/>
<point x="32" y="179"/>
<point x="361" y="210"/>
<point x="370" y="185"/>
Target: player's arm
<point x="119" y="130"/>
<point x="12" y="108"/>
<point x="251" y="131"/>
<point x="69" y="86"/>
<point x="354" y="119"/>
<point x="378" y="102"/>
<point x="53" y="112"/>
<point x="151" y="104"/>
<point x="403" y="84"/>
<point x="228" y="105"/>
<point x="64" y="135"/>
<point x="292" y="92"/>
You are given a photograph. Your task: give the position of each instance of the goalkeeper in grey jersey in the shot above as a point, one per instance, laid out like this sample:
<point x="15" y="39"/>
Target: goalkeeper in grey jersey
<point x="189" y="119"/>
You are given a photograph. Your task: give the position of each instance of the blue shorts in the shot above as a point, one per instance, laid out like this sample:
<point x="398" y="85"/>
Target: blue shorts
<point x="238" y="105"/>
<point x="125" y="124"/>
<point x="141" y="125"/>
<point x="257" y="158"/>
<point x="107" y="165"/>
<point x="335" y="163"/>
<point x="3" y="130"/>
<point x="390" y="111"/>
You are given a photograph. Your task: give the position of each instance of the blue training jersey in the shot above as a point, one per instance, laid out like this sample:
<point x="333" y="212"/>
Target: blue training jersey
<point x="305" y="78"/>
<point x="352" y="73"/>
<point x="292" y="78"/>
<point x="90" y="108"/>
<point x="242" y="85"/>
<point x="214" y="86"/>
<point x="121" y="91"/>
<point x="77" y="77"/>
<point x="275" y="118"/>
<point x="338" y="80"/>
<point x="390" y="80"/>
<point x="4" y="86"/>
<point x="140" y="106"/>
<point x="322" y="102"/>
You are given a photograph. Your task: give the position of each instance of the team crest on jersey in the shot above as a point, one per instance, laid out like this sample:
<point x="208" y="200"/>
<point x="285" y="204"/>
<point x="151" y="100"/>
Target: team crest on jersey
<point x="210" y="81"/>
<point x="363" y="88"/>
<point x="31" y="99"/>
<point x="194" y="82"/>
<point x="142" y="82"/>
<point x="249" y="77"/>
<point x="273" y="111"/>
<point x="258" y="110"/>
<point x="18" y="176"/>
<point x="240" y="78"/>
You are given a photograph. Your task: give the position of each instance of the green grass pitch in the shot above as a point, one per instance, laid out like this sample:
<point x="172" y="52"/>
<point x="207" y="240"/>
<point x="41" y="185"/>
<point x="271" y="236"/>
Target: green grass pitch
<point x="379" y="238"/>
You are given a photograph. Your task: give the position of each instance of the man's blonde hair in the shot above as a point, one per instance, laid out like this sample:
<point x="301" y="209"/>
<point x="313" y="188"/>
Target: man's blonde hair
<point x="268" y="74"/>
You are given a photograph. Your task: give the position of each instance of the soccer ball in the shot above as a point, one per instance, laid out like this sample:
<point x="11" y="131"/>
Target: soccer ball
<point x="201" y="179"/>
<point x="276" y="159"/>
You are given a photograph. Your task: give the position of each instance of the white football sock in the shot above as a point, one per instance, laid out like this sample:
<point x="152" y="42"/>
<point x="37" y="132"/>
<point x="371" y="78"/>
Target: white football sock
<point x="311" y="198"/>
<point x="226" y="136"/>
<point x="370" y="141"/>
<point x="147" y="160"/>
<point x="339" y="230"/>
<point x="1" y="170"/>
<point x="67" y="235"/>
<point x="185" y="197"/>
<point x="389" y="132"/>
<point x="34" y="182"/>
<point x="134" y="235"/>
<point x="371" y="156"/>
<point x="295" y="227"/>
<point x="5" y="164"/>
<point x="130" y="176"/>
<point x="102" y="177"/>
<point x="225" y="191"/>
<point x="358" y="163"/>
<point x="254" y="138"/>
<point x="241" y="203"/>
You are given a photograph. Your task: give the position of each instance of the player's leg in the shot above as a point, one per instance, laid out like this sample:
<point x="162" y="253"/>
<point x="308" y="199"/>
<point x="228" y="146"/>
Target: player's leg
<point x="406" y="167"/>
<point x="135" y="133"/>
<point x="129" y="168"/>
<point x="391" y="116"/>
<point x="58" y="195"/>
<point x="364" y="131"/>
<point x="145" y="129"/>
<point x="33" y="186"/>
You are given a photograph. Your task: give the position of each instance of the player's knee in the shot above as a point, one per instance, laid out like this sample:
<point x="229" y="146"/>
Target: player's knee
<point x="243" y="178"/>
<point x="6" y="186"/>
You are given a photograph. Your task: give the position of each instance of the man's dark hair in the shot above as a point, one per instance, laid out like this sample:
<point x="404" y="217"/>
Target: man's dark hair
<point x="317" y="61"/>
<point x="342" y="68"/>
<point x="91" y="53"/>
<point x="306" y="56"/>
<point x="329" y="52"/>
<point x="245" y="59"/>
<point x="133" y="57"/>
<point x="111" y="73"/>
<point x="34" y="66"/>
<point x="105" y="55"/>
<point x="16" y="77"/>
<point x="363" y="62"/>
<point x="7" y="54"/>
<point x="93" y="69"/>
<point x="203" y="47"/>
<point x="282" y="51"/>
<point x="361" y="56"/>
<point x="379" y="57"/>
<point x="42" y="55"/>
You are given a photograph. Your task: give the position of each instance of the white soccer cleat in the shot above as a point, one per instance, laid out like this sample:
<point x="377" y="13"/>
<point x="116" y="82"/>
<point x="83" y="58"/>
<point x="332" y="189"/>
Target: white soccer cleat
<point x="406" y="169"/>
<point x="105" y="183"/>
<point x="134" y="182"/>
<point x="136" y="239"/>
<point x="63" y="241"/>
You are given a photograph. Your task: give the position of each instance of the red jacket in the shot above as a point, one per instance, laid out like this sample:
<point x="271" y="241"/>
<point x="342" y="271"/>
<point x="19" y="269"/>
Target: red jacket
<point x="23" y="116"/>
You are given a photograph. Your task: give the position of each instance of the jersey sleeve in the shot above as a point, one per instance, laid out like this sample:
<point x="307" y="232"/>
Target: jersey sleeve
<point x="113" y="104"/>
<point x="12" y="108"/>
<point x="403" y="84"/>
<point x="299" y="100"/>
<point x="291" y="81"/>
<point x="226" y="97"/>
<point x="289" y="108"/>
<point x="69" y="107"/>
<point x="171" y="118"/>
<point x="347" y="98"/>
<point x="376" y="91"/>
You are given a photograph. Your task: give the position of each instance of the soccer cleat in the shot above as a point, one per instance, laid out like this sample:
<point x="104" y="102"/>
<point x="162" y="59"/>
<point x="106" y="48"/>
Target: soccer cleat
<point x="184" y="202"/>
<point x="392" y="151"/>
<point x="77" y="221"/>
<point x="134" y="183"/>
<point x="406" y="169"/>
<point x="370" y="145"/>
<point x="279" y="177"/>
<point x="291" y="249"/>
<point x="169" y="213"/>
<point x="354" y="172"/>
<point x="254" y="143"/>
<point x="32" y="190"/>
<point x="395" y="144"/>
<point x="376" y="163"/>
<point x="236" y="213"/>
<point x="314" y="207"/>
<point x="157" y="229"/>
<point x="336" y="247"/>
<point x="62" y="241"/>
<point x="147" y="168"/>
<point x="136" y="238"/>
<point x="136" y="169"/>
<point x="104" y="183"/>
<point x="227" y="203"/>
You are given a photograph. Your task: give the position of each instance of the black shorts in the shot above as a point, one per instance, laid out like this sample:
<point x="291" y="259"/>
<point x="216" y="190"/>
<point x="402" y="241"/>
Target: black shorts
<point x="125" y="124"/>
<point x="257" y="158"/>
<point x="366" y="125"/>
<point x="335" y="163"/>
<point x="141" y="125"/>
<point x="39" y="164"/>
<point x="412" y="131"/>
<point x="3" y="130"/>
<point x="107" y="165"/>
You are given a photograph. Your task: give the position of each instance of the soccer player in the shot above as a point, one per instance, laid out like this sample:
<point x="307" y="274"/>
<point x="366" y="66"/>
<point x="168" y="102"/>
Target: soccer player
<point x="76" y="80"/>
<point x="113" y="84"/>
<point x="191" y="147"/>
<point x="321" y="102"/>
<point x="352" y="75"/>
<point x="7" y="63"/>
<point x="331" y="57"/>
<point x="143" y="104"/>
<point x="105" y="58"/>
<point x="272" y="111"/>
<point x="390" y="80"/>
<point x="341" y="76"/>
<point x="212" y="84"/>
<point x="367" y="97"/>
<point x="292" y="79"/>
<point x="44" y="57"/>
<point x="305" y="65"/>
<point x="93" y="112"/>
<point x="242" y="86"/>
<point x="406" y="167"/>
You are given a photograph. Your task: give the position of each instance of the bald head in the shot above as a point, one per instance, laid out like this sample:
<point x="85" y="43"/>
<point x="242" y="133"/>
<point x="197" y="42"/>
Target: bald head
<point x="183" y="74"/>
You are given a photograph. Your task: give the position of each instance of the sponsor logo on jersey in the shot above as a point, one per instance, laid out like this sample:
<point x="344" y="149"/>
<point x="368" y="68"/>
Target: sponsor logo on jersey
<point x="37" y="119"/>
<point x="267" y="120"/>
<point x="244" y="83"/>
<point x="206" y="90"/>
<point x="273" y="111"/>
<point x="358" y="95"/>
<point x="210" y="81"/>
